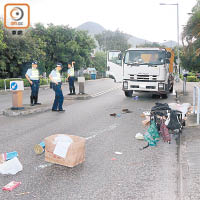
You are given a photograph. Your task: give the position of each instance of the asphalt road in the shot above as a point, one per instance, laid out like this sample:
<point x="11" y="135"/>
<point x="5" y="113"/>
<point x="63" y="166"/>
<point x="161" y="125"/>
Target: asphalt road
<point x="133" y="175"/>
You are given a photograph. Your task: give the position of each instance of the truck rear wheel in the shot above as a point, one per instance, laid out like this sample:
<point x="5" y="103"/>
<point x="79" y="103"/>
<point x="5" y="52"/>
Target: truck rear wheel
<point x="171" y="89"/>
<point x="128" y="93"/>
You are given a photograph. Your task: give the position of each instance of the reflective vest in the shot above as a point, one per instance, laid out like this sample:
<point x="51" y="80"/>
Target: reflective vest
<point x="56" y="75"/>
<point x="71" y="71"/>
<point x="34" y="74"/>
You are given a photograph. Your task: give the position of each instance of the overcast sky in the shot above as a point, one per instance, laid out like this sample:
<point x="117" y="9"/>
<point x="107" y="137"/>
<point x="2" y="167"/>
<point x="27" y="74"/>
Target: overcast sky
<point x="141" y="18"/>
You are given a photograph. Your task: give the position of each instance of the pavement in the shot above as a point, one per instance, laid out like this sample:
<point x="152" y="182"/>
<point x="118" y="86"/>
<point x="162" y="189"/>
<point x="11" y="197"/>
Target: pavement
<point x="189" y="150"/>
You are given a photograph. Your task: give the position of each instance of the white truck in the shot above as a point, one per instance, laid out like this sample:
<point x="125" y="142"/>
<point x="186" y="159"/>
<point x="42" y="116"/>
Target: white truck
<point x="143" y="70"/>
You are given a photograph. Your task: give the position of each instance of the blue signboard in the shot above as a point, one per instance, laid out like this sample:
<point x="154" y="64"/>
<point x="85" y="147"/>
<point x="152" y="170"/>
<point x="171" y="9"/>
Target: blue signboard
<point x="14" y="86"/>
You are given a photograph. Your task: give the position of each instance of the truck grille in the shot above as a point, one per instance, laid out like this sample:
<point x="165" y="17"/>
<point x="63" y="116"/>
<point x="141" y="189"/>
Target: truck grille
<point x="144" y="78"/>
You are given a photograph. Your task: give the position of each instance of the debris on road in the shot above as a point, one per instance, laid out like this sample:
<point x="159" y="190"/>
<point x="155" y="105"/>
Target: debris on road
<point x="135" y="98"/>
<point x="23" y="193"/>
<point x="39" y="148"/>
<point x="113" y="114"/>
<point x="12" y="166"/>
<point x="164" y="118"/>
<point x="139" y="136"/>
<point x="118" y="153"/>
<point x="114" y="159"/>
<point x="67" y="150"/>
<point x="126" y="111"/>
<point x="10" y="186"/>
<point x="7" y="156"/>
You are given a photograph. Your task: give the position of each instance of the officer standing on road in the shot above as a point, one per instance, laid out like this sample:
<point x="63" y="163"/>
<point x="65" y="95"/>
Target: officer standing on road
<point x="55" y="78"/>
<point x="33" y="76"/>
<point x="71" y="78"/>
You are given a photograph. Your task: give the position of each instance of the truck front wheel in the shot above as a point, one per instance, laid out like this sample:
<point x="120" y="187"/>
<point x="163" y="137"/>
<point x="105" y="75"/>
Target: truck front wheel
<point x="164" y="96"/>
<point x="128" y="93"/>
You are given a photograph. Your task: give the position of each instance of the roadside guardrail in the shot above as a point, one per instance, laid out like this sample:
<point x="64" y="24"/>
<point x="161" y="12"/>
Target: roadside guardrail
<point x="196" y="101"/>
<point x="5" y="88"/>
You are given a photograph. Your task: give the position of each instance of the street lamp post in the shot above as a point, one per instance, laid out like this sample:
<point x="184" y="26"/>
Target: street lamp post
<point x="175" y="4"/>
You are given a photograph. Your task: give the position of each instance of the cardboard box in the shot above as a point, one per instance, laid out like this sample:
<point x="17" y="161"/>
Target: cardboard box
<point x="75" y="154"/>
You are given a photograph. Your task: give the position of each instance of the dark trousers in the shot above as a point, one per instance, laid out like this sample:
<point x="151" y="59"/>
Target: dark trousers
<point x="35" y="88"/>
<point x="59" y="98"/>
<point x="71" y="84"/>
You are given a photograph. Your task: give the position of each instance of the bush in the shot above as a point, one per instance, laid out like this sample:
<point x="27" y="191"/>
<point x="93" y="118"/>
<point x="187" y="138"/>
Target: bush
<point x="192" y="79"/>
<point x="26" y="83"/>
<point x="87" y="76"/>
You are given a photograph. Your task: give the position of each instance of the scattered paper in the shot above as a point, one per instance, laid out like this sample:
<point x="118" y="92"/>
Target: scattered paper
<point x="12" y="166"/>
<point x="61" y="149"/>
<point x="12" y="185"/>
<point x="118" y="153"/>
<point x="139" y="136"/>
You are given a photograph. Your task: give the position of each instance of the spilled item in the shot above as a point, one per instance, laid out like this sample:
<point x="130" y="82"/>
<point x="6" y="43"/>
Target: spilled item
<point x="118" y="153"/>
<point x="114" y="159"/>
<point x="10" y="186"/>
<point x="126" y="111"/>
<point x="7" y="156"/>
<point x="23" y="193"/>
<point x="139" y="136"/>
<point x="12" y="166"/>
<point x="67" y="150"/>
<point x="39" y="148"/>
<point x="135" y="98"/>
<point x="113" y="114"/>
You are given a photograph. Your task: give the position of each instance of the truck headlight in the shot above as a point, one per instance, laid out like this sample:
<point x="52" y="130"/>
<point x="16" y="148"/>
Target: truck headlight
<point x="125" y="85"/>
<point x="161" y="86"/>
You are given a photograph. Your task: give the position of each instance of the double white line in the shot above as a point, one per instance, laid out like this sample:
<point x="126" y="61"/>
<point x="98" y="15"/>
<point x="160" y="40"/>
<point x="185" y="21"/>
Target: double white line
<point x="105" y="91"/>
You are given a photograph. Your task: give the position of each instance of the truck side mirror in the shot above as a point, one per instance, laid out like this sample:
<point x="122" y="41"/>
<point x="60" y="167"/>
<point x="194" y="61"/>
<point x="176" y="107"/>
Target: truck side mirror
<point x="120" y="56"/>
<point x="169" y="55"/>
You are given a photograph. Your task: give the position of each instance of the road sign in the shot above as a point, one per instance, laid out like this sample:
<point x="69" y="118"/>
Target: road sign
<point x="16" y="85"/>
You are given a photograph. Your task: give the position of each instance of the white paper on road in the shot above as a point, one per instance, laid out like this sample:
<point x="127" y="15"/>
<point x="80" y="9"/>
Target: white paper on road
<point x="62" y="145"/>
<point x="61" y="149"/>
<point x="118" y="153"/>
<point x="11" y="166"/>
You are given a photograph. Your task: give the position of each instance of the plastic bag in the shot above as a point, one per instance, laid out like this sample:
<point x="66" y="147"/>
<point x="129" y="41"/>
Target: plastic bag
<point x="11" y="166"/>
<point x="152" y="136"/>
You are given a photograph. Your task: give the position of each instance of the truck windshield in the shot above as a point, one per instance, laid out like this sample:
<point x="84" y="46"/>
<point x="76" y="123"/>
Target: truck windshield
<point x="145" y="57"/>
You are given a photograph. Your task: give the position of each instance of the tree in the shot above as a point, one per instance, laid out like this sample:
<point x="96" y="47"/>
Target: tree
<point x="190" y="57"/>
<point x="109" y="40"/>
<point x="99" y="61"/>
<point x="47" y="45"/>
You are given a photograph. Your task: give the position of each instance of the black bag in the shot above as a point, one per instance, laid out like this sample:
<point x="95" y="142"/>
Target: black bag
<point x="174" y="122"/>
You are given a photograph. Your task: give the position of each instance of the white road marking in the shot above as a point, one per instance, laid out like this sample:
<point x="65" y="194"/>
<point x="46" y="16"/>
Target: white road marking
<point x="43" y="166"/>
<point x="96" y="133"/>
<point x="105" y="91"/>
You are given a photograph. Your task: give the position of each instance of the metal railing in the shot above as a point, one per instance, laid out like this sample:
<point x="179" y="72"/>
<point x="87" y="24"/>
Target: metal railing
<point x="5" y="87"/>
<point x="196" y="101"/>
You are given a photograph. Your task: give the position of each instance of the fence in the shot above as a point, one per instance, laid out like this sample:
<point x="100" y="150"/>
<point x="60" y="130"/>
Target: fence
<point x="196" y="101"/>
<point x="5" y="87"/>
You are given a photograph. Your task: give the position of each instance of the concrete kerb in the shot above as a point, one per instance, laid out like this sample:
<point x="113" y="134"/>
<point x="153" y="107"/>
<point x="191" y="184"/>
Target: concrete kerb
<point x="27" y="110"/>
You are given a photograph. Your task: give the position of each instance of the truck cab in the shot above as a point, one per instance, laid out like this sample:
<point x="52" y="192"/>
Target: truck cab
<point x="148" y="70"/>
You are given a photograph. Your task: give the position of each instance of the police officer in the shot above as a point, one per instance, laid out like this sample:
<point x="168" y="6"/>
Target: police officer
<point x="33" y="76"/>
<point x="55" y="78"/>
<point x="70" y="78"/>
